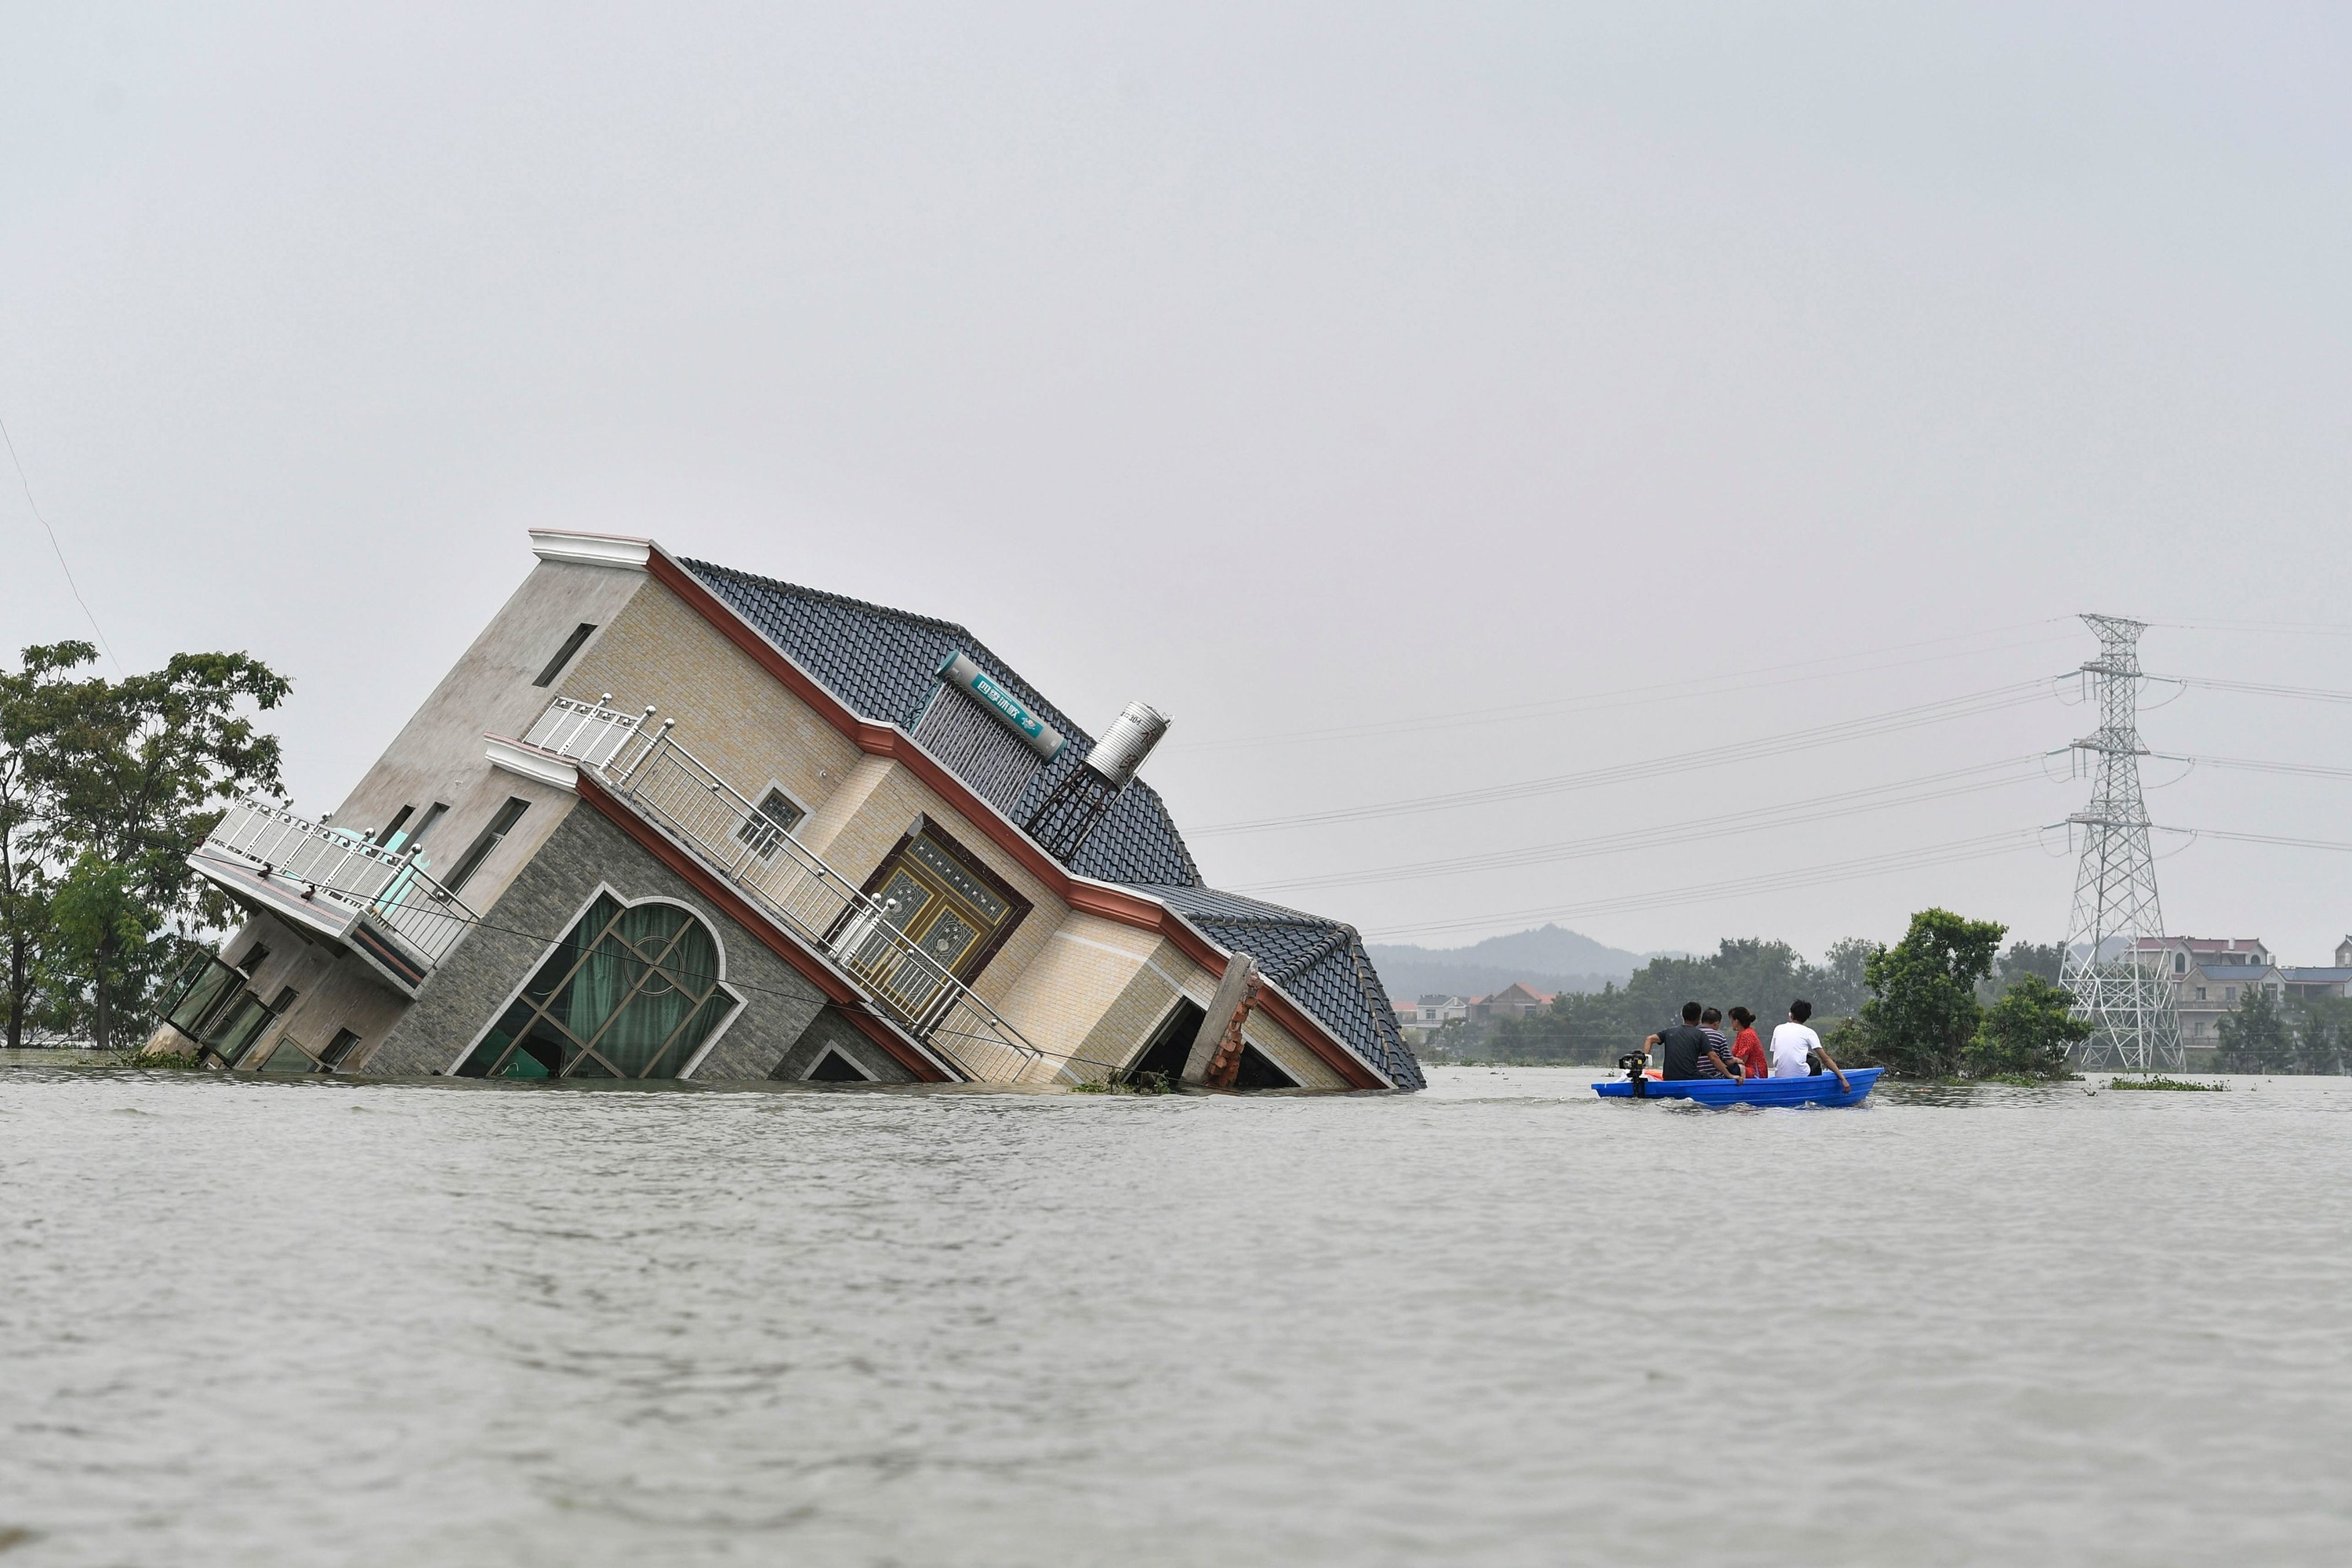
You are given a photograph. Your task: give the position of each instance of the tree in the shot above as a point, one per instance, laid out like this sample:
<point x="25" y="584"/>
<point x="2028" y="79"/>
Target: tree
<point x="25" y="872"/>
<point x="1595" y="1027"/>
<point x="2255" y="1038"/>
<point x="1923" y="1011"/>
<point x="2324" y="1038"/>
<point x="2028" y="1033"/>
<point x="130" y="776"/>
<point x="1841" y="985"/>
<point x="2023" y="958"/>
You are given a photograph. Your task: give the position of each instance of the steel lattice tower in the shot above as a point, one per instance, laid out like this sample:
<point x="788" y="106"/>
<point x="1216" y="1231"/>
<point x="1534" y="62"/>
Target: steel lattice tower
<point x="2124" y="988"/>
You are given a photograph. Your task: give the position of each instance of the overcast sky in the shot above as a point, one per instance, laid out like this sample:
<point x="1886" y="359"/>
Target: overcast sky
<point x="1298" y="369"/>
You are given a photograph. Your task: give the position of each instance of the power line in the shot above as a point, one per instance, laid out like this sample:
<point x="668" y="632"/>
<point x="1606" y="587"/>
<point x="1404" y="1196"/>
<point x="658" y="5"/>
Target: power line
<point x="1602" y="701"/>
<point x="2254" y="688"/>
<point x="1819" y="808"/>
<point x="2195" y="833"/>
<point x="1968" y="705"/>
<point x="54" y="545"/>
<point x="1951" y="853"/>
<point x="2303" y="628"/>
<point x="2248" y="764"/>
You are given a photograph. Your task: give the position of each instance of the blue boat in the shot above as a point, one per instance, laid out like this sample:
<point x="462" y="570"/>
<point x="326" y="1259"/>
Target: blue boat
<point x="1817" y="1089"/>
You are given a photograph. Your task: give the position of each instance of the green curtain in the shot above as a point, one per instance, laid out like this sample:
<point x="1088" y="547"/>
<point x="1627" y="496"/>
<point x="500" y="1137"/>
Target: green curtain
<point x="665" y="994"/>
<point x="639" y="979"/>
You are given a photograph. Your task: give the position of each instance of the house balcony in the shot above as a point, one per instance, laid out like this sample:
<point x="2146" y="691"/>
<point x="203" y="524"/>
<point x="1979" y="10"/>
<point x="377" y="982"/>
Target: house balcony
<point x="643" y="766"/>
<point x="337" y="887"/>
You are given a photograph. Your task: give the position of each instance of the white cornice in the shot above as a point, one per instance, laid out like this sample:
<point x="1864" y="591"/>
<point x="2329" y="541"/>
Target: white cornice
<point x="592" y="549"/>
<point x="531" y="763"/>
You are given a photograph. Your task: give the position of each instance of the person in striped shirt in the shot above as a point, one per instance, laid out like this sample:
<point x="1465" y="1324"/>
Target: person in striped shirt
<point x="1718" y="1043"/>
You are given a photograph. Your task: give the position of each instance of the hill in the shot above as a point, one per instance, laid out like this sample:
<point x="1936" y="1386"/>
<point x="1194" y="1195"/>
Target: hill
<point x="1548" y="958"/>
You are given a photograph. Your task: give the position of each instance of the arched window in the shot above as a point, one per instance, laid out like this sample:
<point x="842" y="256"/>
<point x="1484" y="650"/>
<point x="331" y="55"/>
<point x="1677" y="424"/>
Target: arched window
<point x="631" y="991"/>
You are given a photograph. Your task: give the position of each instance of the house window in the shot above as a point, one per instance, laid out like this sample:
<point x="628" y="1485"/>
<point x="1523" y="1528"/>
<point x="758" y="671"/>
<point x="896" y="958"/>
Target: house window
<point x="237" y="1032"/>
<point x="2179" y="963"/>
<point x="2229" y="993"/>
<point x="777" y="809"/>
<point x="2200" y="993"/>
<point x="338" y="1050"/>
<point x="392" y="829"/>
<point x="500" y="826"/>
<point x="433" y="814"/>
<point x="835" y="1068"/>
<point x="631" y="991"/>
<point x="1170" y="1045"/>
<point x="238" y="1042"/>
<point x="571" y="645"/>
<point x="1257" y="1071"/>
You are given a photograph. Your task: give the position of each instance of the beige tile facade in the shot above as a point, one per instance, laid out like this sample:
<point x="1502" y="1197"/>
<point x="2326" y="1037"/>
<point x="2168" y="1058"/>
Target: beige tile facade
<point x="748" y="729"/>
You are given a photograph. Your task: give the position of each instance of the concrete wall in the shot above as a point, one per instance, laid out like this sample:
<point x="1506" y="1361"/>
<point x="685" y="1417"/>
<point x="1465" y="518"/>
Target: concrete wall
<point x="438" y="755"/>
<point x="1099" y="990"/>
<point x="465" y="993"/>
<point x="336" y="991"/>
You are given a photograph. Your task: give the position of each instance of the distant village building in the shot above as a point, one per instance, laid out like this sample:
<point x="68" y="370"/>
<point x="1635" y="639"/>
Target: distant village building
<point x="1516" y="1000"/>
<point x="1435" y="1012"/>
<point x="2327" y="980"/>
<point x="668" y="820"/>
<point x="2211" y="977"/>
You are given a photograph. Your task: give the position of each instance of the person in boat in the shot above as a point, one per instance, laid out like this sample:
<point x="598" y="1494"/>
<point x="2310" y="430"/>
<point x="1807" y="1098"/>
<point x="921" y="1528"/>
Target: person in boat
<point x="1798" y="1051"/>
<point x="1718" y="1043"/>
<point x="1685" y="1051"/>
<point x="1748" y="1050"/>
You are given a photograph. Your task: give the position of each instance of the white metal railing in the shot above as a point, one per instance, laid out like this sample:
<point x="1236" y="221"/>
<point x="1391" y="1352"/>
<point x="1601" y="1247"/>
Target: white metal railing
<point x="588" y="731"/>
<point x="672" y="788"/>
<point x="389" y="889"/>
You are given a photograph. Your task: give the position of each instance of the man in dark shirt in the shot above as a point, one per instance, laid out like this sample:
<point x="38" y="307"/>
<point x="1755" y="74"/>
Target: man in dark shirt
<point x="1687" y="1052"/>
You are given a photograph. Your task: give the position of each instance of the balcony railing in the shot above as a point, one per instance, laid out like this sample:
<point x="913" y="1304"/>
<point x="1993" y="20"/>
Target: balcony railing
<point x="589" y="731"/>
<point x="672" y="788"/>
<point x="389" y="889"/>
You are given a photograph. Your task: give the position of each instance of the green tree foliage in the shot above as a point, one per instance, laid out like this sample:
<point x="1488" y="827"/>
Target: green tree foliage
<point x="1923" y="1010"/>
<point x="2257" y="1037"/>
<point x="2323" y="1038"/>
<point x="2023" y="959"/>
<point x="24" y="894"/>
<point x="2028" y="1033"/>
<point x="1765" y="976"/>
<point x="122" y="780"/>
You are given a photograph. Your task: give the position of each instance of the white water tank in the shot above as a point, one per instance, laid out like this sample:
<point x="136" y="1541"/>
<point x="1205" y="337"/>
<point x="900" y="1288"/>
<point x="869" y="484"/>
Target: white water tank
<point x="1128" y="741"/>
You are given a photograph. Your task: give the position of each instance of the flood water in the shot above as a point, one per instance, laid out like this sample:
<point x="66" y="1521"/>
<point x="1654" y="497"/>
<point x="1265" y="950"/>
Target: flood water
<point x="1501" y="1321"/>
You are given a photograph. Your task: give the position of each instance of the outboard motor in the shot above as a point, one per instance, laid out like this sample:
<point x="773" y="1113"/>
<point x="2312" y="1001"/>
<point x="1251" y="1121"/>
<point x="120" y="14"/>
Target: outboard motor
<point x="1632" y="1062"/>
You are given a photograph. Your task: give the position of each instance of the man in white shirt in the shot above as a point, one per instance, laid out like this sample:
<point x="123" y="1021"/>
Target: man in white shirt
<point x="1795" y="1048"/>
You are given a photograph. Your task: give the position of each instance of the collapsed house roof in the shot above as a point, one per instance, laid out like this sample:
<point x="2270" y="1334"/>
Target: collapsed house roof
<point x="883" y="663"/>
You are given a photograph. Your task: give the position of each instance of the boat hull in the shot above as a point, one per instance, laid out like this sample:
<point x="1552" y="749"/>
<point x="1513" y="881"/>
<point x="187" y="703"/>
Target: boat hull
<point x="1818" y="1089"/>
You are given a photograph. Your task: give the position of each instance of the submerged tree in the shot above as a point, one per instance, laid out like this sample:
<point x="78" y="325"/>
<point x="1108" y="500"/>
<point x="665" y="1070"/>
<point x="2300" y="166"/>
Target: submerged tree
<point x="122" y="780"/>
<point x="2323" y="1040"/>
<point x="1923" y="1012"/>
<point x="2256" y="1037"/>
<point x="23" y="874"/>
<point x="2029" y="1033"/>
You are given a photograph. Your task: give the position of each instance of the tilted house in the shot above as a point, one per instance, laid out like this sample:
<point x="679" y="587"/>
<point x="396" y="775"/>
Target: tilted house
<point x="668" y="820"/>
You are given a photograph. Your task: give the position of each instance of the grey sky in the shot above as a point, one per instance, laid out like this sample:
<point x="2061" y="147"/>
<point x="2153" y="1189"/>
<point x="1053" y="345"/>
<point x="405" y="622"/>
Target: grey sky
<point x="1292" y="369"/>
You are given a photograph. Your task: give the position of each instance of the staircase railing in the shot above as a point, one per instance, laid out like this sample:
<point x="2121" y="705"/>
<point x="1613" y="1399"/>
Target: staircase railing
<point x="673" y="788"/>
<point x="390" y="889"/>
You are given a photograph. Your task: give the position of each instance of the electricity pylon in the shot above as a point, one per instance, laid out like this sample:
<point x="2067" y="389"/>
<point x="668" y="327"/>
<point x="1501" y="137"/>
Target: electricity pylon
<point x="2122" y="984"/>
